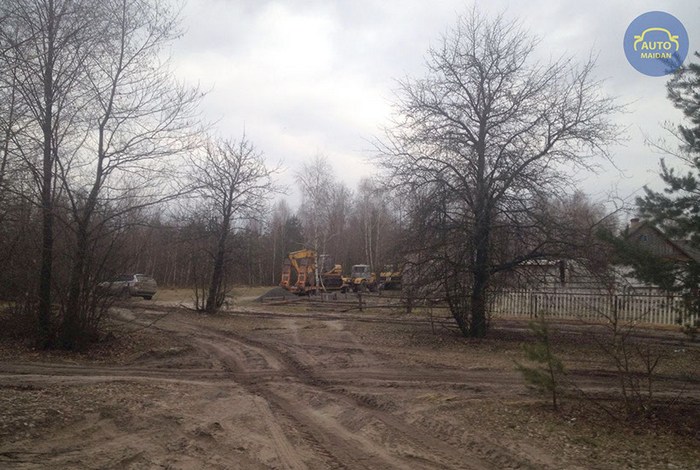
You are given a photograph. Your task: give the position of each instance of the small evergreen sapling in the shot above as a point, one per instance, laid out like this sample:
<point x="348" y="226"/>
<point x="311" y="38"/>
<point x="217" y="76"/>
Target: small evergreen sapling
<point x="546" y="374"/>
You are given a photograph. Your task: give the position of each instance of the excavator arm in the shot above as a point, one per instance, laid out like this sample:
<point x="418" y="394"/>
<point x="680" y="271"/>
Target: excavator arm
<point x="303" y="262"/>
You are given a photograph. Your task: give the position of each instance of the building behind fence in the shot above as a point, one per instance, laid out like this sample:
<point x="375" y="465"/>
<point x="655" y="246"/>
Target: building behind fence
<point x="633" y="305"/>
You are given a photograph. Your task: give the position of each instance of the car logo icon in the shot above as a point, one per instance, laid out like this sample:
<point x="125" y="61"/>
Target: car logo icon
<point x="671" y="38"/>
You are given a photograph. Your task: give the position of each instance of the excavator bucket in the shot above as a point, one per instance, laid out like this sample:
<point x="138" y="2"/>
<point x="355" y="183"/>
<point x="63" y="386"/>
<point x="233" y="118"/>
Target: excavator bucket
<point x="302" y="275"/>
<point x="286" y="274"/>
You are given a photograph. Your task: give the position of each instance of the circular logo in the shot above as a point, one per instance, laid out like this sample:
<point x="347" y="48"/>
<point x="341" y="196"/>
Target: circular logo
<point x="656" y="43"/>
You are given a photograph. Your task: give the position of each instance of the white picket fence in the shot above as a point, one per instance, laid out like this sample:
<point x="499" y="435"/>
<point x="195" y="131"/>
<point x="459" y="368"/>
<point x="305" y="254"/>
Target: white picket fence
<point x="642" y="306"/>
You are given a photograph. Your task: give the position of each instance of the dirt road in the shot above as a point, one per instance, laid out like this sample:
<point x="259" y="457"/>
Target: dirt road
<point x="291" y="391"/>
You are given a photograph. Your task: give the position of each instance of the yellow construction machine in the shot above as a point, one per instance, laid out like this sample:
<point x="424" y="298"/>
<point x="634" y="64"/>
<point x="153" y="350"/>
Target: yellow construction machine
<point x="390" y="278"/>
<point x="362" y="278"/>
<point x="302" y="265"/>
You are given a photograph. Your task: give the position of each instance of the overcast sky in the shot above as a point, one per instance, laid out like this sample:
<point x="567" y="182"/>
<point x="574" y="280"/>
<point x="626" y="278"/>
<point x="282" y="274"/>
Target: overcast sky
<point x="308" y="77"/>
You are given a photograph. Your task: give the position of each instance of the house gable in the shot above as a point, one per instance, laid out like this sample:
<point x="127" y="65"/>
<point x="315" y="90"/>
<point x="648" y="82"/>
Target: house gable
<point x="652" y="239"/>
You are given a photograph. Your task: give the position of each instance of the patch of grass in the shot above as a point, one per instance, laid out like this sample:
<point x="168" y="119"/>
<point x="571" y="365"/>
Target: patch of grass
<point x="174" y="295"/>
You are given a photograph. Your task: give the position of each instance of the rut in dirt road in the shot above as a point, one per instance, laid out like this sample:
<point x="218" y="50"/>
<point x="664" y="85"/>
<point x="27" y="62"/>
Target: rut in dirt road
<point x="271" y="397"/>
<point x="331" y="416"/>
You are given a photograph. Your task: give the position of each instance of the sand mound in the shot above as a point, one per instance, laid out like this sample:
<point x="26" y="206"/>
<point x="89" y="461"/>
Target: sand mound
<point x="276" y="292"/>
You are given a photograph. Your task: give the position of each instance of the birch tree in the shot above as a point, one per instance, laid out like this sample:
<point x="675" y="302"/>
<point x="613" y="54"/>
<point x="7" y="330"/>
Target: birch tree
<point x="316" y="183"/>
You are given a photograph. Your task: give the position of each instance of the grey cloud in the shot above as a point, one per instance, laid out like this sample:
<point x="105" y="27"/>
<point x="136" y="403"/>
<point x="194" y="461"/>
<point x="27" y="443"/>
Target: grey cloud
<point x="319" y="104"/>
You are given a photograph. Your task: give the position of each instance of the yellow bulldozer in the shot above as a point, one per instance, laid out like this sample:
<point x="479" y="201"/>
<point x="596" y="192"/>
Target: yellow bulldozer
<point x="362" y="279"/>
<point x="390" y="278"/>
<point x="299" y="274"/>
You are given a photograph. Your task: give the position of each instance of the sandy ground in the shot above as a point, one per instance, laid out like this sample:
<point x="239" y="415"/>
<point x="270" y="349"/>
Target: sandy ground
<point x="295" y="390"/>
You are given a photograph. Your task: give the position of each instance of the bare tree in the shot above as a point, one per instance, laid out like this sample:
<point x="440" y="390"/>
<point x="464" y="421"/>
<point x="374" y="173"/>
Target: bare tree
<point x="317" y="184"/>
<point x="139" y="120"/>
<point x="481" y="141"/>
<point x="368" y="217"/>
<point x="97" y="101"/>
<point x="234" y="184"/>
<point x="12" y="119"/>
<point x="372" y="212"/>
<point x="276" y="227"/>
<point x="48" y="43"/>
<point x="340" y="234"/>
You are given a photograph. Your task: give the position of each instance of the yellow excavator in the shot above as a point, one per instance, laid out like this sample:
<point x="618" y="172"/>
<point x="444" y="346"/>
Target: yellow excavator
<point x="390" y="277"/>
<point x="302" y="263"/>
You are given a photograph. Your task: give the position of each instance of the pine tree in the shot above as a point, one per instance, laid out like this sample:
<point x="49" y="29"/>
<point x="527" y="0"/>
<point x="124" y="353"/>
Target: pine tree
<point x="546" y="374"/>
<point x="676" y="209"/>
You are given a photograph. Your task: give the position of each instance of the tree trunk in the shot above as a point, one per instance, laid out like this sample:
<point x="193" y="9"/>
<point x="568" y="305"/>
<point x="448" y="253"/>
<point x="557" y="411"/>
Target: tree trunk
<point x="481" y="242"/>
<point x="460" y="315"/>
<point x="217" y="276"/>
<point x="274" y="255"/>
<point x="74" y="316"/>
<point x="71" y="331"/>
<point x="44" y="309"/>
<point x="477" y="327"/>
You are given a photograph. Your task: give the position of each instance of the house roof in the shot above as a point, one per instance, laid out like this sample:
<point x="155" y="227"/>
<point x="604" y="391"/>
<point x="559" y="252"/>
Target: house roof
<point x="688" y="249"/>
<point x="682" y="246"/>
